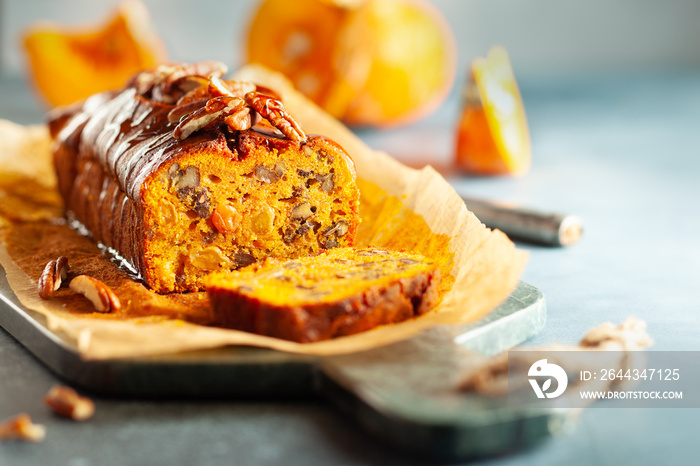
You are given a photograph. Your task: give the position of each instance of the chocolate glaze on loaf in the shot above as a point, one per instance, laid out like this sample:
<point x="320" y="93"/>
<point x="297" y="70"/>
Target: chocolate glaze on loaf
<point x="120" y="172"/>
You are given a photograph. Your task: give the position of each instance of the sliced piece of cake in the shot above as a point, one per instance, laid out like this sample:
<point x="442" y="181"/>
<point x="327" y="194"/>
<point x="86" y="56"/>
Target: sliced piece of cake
<point x="338" y="292"/>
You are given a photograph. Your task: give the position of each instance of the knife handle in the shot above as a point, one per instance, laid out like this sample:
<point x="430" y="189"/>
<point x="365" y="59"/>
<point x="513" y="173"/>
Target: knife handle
<point x="551" y="229"/>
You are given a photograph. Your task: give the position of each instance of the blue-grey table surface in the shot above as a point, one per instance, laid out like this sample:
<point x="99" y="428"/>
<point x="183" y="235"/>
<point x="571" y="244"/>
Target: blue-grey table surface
<point x="621" y="150"/>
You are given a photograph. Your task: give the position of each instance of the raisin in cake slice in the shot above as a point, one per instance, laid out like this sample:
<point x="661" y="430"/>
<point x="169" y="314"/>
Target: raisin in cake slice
<point x="338" y="292"/>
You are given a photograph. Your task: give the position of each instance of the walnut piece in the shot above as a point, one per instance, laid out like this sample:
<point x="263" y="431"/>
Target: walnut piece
<point x="302" y="211"/>
<point x="339" y="229"/>
<point x="66" y="402"/>
<point x="330" y="244"/>
<point x="265" y="175"/>
<point x="54" y="274"/>
<point x="100" y="295"/>
<point x="21" y="427"/>
<point x="327" y="182"/>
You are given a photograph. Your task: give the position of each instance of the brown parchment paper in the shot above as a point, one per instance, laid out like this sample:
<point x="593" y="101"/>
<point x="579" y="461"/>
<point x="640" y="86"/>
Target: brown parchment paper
<point x="401" y="208"/>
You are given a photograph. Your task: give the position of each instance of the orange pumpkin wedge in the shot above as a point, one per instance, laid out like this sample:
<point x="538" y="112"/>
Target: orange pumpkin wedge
<point x="410" y="54"/>
<point x="297" y="38"/>
<point x="371" y="62"/>
<point x="493" y="136"/>
<point x="68" y="65"/>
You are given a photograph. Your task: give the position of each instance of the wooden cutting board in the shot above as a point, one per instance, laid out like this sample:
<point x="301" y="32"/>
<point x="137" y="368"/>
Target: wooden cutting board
<point x="404" y="393"/>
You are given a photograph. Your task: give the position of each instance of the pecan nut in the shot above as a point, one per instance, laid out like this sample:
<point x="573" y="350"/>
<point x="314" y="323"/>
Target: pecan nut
<point x="181" y="110"/>
<point x="66" y="402"/>
<point x="242" y="119"/>
<point x="238" y="104"/>
<point x="302" y="211"/>
<point x="273" y="111"/>
<point x="205" y="69"/>
<point x="54" y="274"/>
<point x="168" y="83"/>
<point x="265" y="175"/>
<point x="338" y="229"/>
<point x="232" y="110"/>
<point x="195" y="121"/>
<point x="327" y="182"/>
<point x="220" y="88"/>
<point x="100" y="295"/>
<point x="21" y="427"/>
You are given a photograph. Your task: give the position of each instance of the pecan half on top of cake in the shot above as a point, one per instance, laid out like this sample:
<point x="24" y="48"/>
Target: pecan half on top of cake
<point x="183" y="174"/>
<point x="338" y="292"/>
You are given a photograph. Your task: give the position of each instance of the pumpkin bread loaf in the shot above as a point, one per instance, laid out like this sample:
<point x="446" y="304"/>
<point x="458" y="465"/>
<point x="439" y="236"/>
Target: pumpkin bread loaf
<point x="338" y="292"/>
<point x="183" y="174"/>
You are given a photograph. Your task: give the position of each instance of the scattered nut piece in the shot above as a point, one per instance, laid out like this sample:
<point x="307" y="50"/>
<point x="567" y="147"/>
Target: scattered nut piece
<point x="55" y="272"/>
<point x="66" y="402"/>
<point x="339" y="229"/>
<point x="21" y="427"/>
<point x="327" y="182"/>
<point x="202" y="203"/>
<point x="194" y="122"/>
<point x="302" y="210"/>
<point x="189" y="178"/>
<point x="100" y="295"/>
<point x="301" y="231"/>
<point x="265" y="175"/>
<point x="280" y="168"/>
<point x="174" y="75"/>
<point x="219" y="88"/>
<point x="289" y="235"/>
<point x="241" y="119"/>
<point x="176" y="114"/>
<point x="189" y="83"/>
<point x="273" y="111"/>
<point x="174" y="171"/>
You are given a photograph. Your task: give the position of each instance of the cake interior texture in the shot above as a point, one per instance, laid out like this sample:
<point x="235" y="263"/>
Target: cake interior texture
<point x="338" y="292"/>
<point x="207" y="211"/>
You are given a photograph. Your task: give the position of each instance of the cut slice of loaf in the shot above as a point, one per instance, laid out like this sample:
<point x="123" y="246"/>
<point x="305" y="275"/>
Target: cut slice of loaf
<point x="338" y="292"/>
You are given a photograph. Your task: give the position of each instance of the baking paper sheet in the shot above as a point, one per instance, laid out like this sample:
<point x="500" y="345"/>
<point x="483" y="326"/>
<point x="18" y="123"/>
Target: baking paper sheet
<point x="402" y="208"/>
